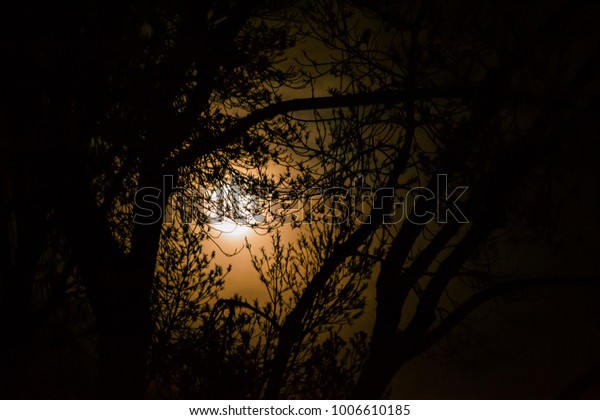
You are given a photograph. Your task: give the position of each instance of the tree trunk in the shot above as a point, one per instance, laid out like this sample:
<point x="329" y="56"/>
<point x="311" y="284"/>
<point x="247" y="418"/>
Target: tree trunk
<point x="377" y="373"/>
<point x="122" y="310"/>
<point x="121" y="301"/>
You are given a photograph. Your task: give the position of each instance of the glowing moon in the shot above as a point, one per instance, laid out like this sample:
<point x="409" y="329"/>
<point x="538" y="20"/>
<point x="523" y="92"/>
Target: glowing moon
<point x="233" y="217"/>
<point x="230" y="228"/>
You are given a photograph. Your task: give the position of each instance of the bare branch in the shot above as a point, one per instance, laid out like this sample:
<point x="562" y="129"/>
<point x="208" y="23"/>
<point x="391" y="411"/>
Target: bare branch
<point x="383" y="97"/>
<point x="460" y="313"/>
<point x="241" y="304"/>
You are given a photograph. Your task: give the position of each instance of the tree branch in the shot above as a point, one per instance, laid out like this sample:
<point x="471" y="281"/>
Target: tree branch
<point x="460" y="313"/>
<point x="246" y="305"/>
<point x="382" y="97"/>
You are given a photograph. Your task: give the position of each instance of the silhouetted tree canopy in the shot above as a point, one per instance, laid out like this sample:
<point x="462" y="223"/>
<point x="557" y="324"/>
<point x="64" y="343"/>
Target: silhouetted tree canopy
<point x="326" y="120"/>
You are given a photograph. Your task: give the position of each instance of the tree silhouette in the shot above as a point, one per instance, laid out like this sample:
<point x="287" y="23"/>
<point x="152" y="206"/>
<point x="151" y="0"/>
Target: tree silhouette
<point x="119" y="119"/>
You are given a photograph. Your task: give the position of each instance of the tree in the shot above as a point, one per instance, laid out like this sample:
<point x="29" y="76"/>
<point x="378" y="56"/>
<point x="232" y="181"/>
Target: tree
<point x="127" y="107"/>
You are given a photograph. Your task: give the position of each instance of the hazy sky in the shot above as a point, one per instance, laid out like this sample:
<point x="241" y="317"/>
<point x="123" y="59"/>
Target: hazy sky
<point x="522" y="348"/>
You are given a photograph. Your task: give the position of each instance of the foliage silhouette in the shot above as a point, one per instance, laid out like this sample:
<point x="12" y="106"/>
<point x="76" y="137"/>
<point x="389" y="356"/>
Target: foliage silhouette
<point x="110" y="109"/>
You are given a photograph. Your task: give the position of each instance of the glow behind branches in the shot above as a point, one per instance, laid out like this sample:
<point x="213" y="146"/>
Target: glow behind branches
<point x="232" y="216"/>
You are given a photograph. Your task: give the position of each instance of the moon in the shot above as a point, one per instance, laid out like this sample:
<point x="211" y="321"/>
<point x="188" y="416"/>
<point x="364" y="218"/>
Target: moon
<point x="230" y="228"/>
<point x="232" y="216"/>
